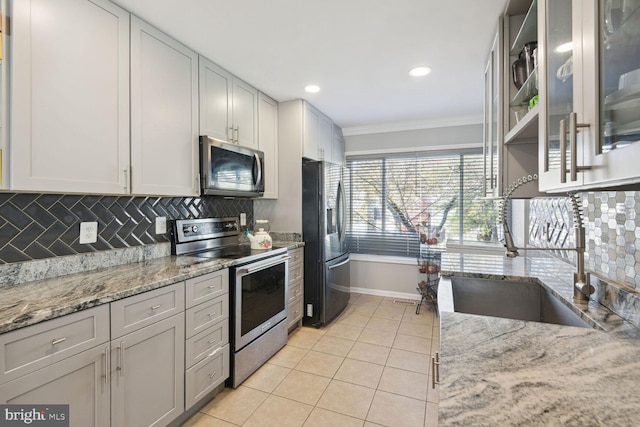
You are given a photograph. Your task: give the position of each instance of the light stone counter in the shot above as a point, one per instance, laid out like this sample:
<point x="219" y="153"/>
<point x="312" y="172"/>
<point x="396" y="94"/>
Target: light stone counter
<point x="502" y="372"/>
<point x="23" y="304"/>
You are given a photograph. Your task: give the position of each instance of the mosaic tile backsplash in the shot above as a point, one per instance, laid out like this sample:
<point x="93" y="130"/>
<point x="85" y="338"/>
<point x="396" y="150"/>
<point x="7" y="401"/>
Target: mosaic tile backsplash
<point x="38" y="226"/>
<point x="612" y="232"/>
<point x="612" y="242"/>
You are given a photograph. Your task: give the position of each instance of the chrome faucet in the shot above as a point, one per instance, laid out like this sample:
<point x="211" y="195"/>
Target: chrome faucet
<point x="582" y="288"/>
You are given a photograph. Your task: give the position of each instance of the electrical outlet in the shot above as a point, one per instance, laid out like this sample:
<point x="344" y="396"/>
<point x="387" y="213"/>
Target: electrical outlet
<point x="88" y="232"/>
<point x="243" y="219"/>
<point x="161" y="225"/>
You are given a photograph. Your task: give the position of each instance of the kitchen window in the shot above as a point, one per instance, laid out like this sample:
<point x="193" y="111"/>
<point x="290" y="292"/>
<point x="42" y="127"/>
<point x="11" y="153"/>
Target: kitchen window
<point x="391" y="195"/>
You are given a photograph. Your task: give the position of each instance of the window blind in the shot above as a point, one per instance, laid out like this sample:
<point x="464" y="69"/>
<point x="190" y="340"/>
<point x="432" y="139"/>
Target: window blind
<point x="391" y="196"/>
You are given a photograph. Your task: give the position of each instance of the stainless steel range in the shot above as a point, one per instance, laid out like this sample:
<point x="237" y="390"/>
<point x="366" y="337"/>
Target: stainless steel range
<point x="257" y="289"/>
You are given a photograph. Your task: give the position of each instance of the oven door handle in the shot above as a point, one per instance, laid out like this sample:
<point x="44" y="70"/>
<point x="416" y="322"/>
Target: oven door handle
<point x="263" y="266"/>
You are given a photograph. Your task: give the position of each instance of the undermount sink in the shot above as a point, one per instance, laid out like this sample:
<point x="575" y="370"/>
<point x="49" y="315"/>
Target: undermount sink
<point x="508" y="299"/>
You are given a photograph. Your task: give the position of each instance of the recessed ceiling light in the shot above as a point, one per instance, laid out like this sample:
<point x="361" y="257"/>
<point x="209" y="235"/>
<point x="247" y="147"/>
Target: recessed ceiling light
<point x="564" y="47"/>
<point x="420" y="71"/>
<point x="312" y="88"/>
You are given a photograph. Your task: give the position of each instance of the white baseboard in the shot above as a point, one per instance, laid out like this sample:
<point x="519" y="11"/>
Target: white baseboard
<point x="389" y="294"/>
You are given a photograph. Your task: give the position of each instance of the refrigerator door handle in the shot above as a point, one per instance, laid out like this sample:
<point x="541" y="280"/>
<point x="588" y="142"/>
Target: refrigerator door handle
<point x="341" y="220"/>
<point x="340" y="264"/>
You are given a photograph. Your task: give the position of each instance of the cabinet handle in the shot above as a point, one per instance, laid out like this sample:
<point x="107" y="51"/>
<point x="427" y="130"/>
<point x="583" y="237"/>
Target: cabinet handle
<point x="125" y="171"/>
<point x="573" y="148"/>
<point x="212" y="375"/>
<point x="435" y="370"/>
<point x="121" y="358"/>
<point x="212" y="314"/>
<point x="218" y="350"/>
<point x="230" y="134"/>
<point x="237" y="134"/>
<point x="212" y="286"/>
<point x="212" y="342"/>
<point x="573" y="144"/>
<point x="106" y="365"/>
<point x="155" y="307"/>
<point x="58" y="341"/>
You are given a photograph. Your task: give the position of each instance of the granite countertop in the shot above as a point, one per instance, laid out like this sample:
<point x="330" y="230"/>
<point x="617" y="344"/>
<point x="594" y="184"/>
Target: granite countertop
<point x="503" y="372"/>
<point x="28" y="303"/>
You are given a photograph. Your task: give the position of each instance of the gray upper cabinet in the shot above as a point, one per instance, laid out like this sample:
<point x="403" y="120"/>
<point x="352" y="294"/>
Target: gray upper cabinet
<point x="268" y="143"/>
<point x="245" y="114"/>
<point x="325" y="138"/>
<point x="164" y="119"/>
<point x="590" y="127"/>
<point x="70" y="96"/>
<point x="228" y="106"/>
<point x="337" y="150"/>
<point x="216" y="87"/>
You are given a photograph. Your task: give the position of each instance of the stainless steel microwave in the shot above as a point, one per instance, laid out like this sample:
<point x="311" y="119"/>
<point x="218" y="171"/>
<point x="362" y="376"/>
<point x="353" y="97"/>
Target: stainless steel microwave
<point x="230" y="170"/>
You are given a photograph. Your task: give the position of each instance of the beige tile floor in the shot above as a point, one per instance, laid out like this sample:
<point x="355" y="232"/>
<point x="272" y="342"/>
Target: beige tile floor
<point x="369" y="367"/>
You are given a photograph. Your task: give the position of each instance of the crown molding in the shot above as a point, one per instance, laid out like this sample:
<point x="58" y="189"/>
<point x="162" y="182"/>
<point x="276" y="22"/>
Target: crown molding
<point x="412" y="125"/>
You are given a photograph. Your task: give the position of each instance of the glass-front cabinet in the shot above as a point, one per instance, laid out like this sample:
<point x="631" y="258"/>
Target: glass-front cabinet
<point x="491" y="114"/>
<point x="590" y="109"/>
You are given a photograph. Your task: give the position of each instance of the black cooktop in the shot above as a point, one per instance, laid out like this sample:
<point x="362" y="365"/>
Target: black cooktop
<point x="240" y="251"/>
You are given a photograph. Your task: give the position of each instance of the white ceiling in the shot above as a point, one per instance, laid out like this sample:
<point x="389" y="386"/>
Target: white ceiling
<point x="358" y="51"/>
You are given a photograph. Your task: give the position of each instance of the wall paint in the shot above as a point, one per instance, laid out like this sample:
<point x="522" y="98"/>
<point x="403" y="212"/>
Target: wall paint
<point x="445" y="138"/>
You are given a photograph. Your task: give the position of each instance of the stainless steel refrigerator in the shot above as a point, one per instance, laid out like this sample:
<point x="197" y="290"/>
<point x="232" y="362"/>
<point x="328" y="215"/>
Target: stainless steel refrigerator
<point x="326" y="258"/>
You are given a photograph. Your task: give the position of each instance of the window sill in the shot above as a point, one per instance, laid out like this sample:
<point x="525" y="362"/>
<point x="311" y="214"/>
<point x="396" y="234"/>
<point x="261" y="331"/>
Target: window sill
<point x="387" y="259"/>
<point x="469" y="247"/>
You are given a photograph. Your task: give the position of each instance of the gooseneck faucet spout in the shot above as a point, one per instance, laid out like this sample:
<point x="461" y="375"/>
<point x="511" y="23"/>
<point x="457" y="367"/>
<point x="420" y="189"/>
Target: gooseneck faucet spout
<point x="582" y="287"/>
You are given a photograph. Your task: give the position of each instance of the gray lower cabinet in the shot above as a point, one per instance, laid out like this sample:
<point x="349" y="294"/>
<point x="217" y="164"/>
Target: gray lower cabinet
<point x="296" y="288"/>
<point x="60" y="361"/>
<point x="133" y="362"/>
<point x="207" y="332"/>
<point x="77" y="381"/>
<point x="147" y="374"/>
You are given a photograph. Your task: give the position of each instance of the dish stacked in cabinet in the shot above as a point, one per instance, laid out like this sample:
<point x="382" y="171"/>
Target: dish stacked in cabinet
<point x="207" y="334"/>
<point x="296" y="287"/>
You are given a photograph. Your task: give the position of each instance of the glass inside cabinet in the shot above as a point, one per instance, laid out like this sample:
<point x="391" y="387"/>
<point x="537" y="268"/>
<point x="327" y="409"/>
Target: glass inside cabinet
<point x="490" y="137"/>
<point x="523" y="87"/>
<point x="559" y="76"/>
<point x="619" y="59"/>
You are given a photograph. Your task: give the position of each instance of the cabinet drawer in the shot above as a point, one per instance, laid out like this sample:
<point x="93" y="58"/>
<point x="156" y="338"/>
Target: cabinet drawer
<point x="135" y="312"/>
<point x="206" y="287"/>
<point x="205" y="315"/>
<point x="206" y="375"/>
<point x="297" y="273"/>
<point x="34" y="347"/>
<point x="295" y="311"/>
<point x="199" y="346"/>
<point x="297" y="258"/>
<point x="296" y="290"/>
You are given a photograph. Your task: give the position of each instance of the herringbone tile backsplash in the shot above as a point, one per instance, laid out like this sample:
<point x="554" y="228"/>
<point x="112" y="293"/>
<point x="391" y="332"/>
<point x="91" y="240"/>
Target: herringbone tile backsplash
<point x="36" y="226"/>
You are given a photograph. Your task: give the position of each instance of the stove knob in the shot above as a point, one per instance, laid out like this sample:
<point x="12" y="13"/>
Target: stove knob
<point x="189" y="228"/>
